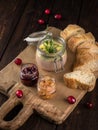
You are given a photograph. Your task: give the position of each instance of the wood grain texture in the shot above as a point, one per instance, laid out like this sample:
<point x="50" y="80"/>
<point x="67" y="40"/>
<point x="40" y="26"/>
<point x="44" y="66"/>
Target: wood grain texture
<point x="11" y="12"/>
<point x="27" y="24"/>
<point x="69" y="10"/>
<point x="88" y="19"/>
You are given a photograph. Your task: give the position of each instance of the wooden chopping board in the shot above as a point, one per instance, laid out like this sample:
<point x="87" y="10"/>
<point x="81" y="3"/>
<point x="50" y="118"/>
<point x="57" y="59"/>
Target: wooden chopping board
<point x="56" y="109"/>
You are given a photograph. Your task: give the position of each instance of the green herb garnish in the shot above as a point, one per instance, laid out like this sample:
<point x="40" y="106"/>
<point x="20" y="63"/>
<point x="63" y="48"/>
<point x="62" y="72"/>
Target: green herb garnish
<point x="51" y="46"/>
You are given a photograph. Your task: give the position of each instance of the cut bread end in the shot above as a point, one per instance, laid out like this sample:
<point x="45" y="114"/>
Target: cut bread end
<point x="80" y="79"/>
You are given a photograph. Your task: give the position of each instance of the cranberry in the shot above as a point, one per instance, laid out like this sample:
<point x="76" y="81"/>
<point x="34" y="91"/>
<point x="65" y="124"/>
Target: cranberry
<point x="71" y="99"/>
<point x="19" y="93"/>
<point x="89" y="105"/>
<point x="18" y="61"/>
<point x="58" y="16"/>
<point x="41" y="21"/>
<point x="47" y="11"/>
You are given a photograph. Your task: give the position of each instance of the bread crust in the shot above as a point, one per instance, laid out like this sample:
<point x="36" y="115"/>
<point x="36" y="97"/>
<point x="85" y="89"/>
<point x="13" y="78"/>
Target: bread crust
<point x="87" y="57"/>
<point x="70" y="30"/>
<point x="78" y="39"/>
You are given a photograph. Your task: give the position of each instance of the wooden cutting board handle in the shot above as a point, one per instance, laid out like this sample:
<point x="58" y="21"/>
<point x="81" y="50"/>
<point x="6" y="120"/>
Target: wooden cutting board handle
<point x="13" y="101"/>
<point x="30" y="102"/>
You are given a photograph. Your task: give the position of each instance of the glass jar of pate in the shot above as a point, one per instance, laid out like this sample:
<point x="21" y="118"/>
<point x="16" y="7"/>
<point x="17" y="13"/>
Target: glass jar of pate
<point x="51" y="54"/>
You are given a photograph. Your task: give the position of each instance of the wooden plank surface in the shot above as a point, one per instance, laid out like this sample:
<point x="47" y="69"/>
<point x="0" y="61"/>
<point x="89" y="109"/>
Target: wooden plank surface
<point x="10" y="14"/>
<point x="70" y="11"/>
<point x="27" y="23"/>
<point x="83" y="12"/>
<point x="88" y="16"/>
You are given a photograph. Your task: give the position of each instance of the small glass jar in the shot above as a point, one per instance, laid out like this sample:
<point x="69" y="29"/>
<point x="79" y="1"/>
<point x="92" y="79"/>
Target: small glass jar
<point x="29" y="74"/>
<point x="51" y="54"/>
<point x="46" y="87"/>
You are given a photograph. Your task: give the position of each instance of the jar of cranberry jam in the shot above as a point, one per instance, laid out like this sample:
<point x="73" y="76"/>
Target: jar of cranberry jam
<point x="29" y="74"/>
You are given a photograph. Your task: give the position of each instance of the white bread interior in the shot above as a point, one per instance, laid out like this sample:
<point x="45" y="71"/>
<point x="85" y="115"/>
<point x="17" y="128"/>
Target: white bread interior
<point x="80" y="79"/>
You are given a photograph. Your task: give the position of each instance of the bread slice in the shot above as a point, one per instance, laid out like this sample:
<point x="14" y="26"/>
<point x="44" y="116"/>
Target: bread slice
<point x="84" y="80"/>
<point x="71" y="30"/>
<point x="78" y="39"/>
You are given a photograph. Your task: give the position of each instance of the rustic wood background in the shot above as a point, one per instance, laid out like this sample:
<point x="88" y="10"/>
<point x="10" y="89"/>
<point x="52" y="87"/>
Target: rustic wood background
<point x="18" y="18"/>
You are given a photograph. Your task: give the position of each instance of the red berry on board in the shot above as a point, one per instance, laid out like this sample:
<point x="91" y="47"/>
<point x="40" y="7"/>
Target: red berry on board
<point x="47" y="11"/>
<point x="41" y="21"/>
<point x="19" y="93"/>
<point x="71" y="99"/>
<point x="89" y="105"/>
<point x="18" y="61"/>
<point x="58" y="16"/>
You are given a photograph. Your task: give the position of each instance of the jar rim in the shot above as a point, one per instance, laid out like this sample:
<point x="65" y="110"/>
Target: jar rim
<point x="27" y="65"/>
<point x="55" y="38"/>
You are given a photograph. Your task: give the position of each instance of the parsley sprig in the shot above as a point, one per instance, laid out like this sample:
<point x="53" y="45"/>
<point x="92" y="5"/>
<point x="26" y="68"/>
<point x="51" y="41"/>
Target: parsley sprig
<point x="50" y="46"/>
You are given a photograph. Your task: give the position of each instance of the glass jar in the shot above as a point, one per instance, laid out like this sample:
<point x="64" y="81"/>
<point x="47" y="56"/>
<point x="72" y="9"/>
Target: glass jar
<point x="29" y="74"/>
<point x="51" y="54"/>
<point x="46" y="87"/>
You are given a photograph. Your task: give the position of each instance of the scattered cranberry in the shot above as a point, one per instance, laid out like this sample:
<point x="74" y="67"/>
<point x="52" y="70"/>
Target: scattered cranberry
<point x="89" y="105"/>
<point x="71" y="99"/>
<point x="47" y="11"/>
<point x="41" y="21"/>
<point x="58" y="16"/>
<point x="19" y="93"/>
<point x="18" y="61"/>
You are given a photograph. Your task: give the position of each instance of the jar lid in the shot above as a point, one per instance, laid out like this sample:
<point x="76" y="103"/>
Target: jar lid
<point x="36" y="37"/>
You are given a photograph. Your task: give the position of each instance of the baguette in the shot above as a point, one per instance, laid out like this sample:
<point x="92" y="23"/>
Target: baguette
<point x="80" y="79"/>
<point x="70" y="30"/>
<point x="88" y="45"/>
<point x="85" y="48"/>
<point x="78" y="39"/>
<point x="87" y="57"/>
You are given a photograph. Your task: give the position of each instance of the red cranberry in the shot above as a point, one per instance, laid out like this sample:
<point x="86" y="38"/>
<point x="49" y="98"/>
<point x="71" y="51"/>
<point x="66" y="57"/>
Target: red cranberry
<point x="19" y="93"/>
<point x="41" y="21"/>
<point x="89" y="105"/>
<point x="18" y="61"/>
<point x="47" y="11"/>
<point x="71" y="99"/>
<point x="58" y="16"/>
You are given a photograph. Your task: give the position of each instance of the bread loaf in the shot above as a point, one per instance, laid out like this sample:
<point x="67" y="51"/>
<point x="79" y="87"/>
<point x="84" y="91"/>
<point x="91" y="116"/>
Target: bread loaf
<point x="71" y="30"/>
<point x="86" y="52"/>
<point x="78" y="39"/>
<point x="80" y="79"/>
<point x="86" y="58"/>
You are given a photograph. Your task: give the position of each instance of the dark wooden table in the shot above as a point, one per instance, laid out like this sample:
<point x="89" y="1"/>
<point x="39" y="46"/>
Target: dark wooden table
<point x="19" y="18"/>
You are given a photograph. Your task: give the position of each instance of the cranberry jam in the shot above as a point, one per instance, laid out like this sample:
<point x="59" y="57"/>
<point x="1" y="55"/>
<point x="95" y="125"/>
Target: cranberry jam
<point x="29" y="74"/>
